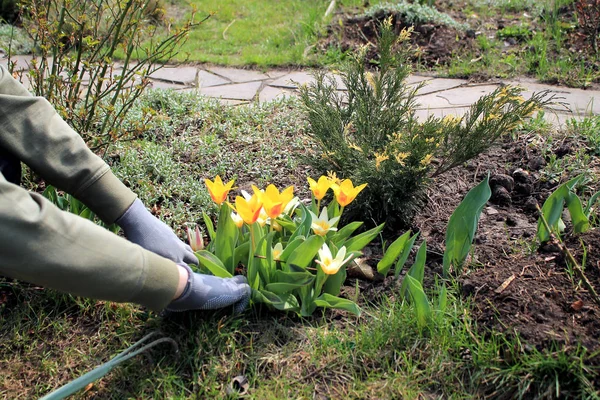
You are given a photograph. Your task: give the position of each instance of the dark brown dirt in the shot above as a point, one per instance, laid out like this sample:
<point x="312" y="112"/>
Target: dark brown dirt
<point x="438" y="45"/>
<point x="435" y="43"/>
<point x="517" y="287"/>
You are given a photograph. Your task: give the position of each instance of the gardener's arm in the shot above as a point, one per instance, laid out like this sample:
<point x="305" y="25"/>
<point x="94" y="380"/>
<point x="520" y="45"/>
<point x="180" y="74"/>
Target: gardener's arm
<point x="43" y="245"/>
<point x="33" y="132"/>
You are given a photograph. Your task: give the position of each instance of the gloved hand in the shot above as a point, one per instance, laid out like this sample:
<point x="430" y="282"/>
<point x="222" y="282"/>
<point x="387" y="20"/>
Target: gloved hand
<point x="143" y="228"/>
<point x="207" y="292"/>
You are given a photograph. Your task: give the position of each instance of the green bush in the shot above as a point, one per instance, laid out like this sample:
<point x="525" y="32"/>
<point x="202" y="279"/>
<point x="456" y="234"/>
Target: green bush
<point x="76" y="45"/>
<point x="373" y="135"/>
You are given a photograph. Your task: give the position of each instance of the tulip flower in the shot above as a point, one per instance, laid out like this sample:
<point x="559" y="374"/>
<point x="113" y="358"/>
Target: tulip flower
<point x="277" y="251"/>
<point x="322" y="224"/>
<point x="218" y="191"/>
<point x="274" y="202"/>
<point x="319" y="188"/>
<point x="237" y="220"/>
<point x="263" y="218"/>
<point x="195" y="239"/>
<point x="249" y="209"/>
<point x="291" y="206"/>
<point x="328" y="263"/>
<point x="345" y="192"/>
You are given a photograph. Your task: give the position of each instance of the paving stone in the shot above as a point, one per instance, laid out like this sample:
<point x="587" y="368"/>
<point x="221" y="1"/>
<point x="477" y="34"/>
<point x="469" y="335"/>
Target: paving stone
<point x="277" y="73"/>
<point x="431" y="101"/>
<point x="269" y="93"/>
<point x="293" y="80"/>
<point x="236" y="75"/>
<point x="229" y="102"/>
<point x="440" y="84"/>
<point x="466" y="95"/>
<point x="423" y="114"/>
<point x="184" y="75"/>
<point x="414" y="79"/>
<point x="206" y="79"/>
<point x="579" y="101"/>
<point x="237" y="91"/>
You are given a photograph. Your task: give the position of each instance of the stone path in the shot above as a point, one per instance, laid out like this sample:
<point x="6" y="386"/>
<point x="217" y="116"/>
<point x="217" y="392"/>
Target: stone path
<point x="439" y="96"/>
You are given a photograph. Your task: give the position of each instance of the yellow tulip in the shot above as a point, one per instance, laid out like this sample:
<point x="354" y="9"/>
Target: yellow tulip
<point x="249" y="210"/>
<point x="319" y="188"/>
<point x="345" y="192"/>
<point x="218" y="191"/>
<point x="328" y="263"/>
<point x="274" y="202"/>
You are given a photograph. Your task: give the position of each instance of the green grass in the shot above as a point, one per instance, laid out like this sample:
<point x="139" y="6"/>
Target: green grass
<point x="52" y="338"/>
<point x="254" y="32"/>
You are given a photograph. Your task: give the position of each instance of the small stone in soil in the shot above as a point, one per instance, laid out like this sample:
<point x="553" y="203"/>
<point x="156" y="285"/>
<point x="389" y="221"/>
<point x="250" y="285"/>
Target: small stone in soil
<point x="503" y="180"/>
<point x="520" y="175"/>
<point x="536" y="163"/>
<point x="524" y="188"/>
<point x="511" y="221"/>
<point x="530" y="204"/>
<point x="500" y="195"/>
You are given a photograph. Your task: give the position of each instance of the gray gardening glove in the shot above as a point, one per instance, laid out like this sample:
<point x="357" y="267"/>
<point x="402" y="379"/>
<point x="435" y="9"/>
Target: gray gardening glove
<point x="207" y="292"/>
<point x="143" y="228"/>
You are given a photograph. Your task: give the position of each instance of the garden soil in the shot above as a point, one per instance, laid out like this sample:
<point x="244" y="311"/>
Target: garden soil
<point x="436" y="45"/>
<point x="516" y="287"/>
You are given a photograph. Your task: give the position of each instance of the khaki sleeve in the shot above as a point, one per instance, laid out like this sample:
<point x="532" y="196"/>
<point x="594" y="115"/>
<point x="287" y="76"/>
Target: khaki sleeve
<point x="32" y="130"/>
<point x="43" y="245"/>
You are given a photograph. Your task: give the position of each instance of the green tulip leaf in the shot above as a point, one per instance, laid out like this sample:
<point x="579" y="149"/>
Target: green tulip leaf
<point x="404" y="255"/>
<point x="358" y="242"/>
<point x="284" y="302"/>
<point x="344" y="233"/>
<point x="305" y="253"/>
<point x="392" y="253"/>
<point x="330" y="301"/>
<point x="419" y="300"/>
<point x="417" y="270"/>
<point x="463" y="225"/>
<point x="209" y="226"/>
<point x="290" y="248"/>
<point x="212" y="263"/>
<point x="226" y="238"/>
